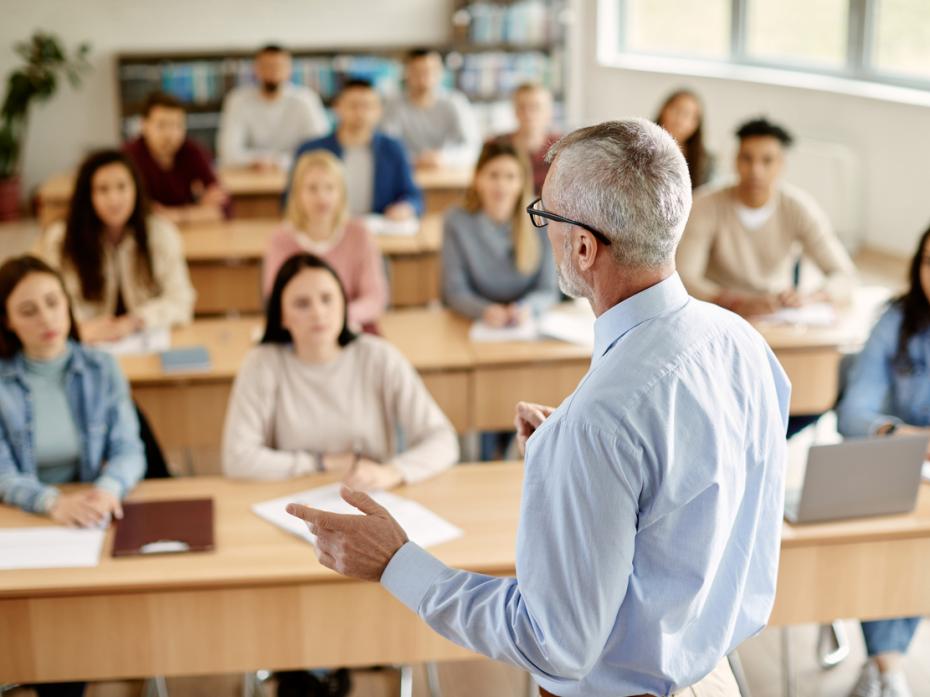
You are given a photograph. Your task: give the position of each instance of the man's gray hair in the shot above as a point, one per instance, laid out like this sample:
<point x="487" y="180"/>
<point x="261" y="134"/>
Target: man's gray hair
<point x="628" y="180"/>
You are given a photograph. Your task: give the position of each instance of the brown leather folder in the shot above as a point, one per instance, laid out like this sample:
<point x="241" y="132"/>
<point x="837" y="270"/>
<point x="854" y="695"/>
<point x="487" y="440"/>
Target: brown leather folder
<point x="162" y="527"/>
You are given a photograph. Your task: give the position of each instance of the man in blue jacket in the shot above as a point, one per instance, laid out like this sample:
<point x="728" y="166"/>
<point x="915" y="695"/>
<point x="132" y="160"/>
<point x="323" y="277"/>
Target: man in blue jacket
<point x="378" y="174"/>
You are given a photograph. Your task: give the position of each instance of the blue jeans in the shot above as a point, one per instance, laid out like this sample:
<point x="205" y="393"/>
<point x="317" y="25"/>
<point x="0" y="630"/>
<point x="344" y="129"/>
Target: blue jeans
<point x="889" y="636"/>
<point x="494" y="444"/>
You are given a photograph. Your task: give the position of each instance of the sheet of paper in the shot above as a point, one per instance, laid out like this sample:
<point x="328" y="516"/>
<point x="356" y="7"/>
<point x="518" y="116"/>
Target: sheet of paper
<point x="49" y="547"/>
<point x="573" y="324"/>
<point x="815" y="315"/>
<point x="421" y="525"/>
<point x="150" y="341"/>
<point x="379" y="225"/>
<point x="482" y="333"/>
<point x="925" y="473"/>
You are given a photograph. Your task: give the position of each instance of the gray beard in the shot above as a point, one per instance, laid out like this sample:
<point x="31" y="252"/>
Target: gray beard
<point x="570" y="281"/>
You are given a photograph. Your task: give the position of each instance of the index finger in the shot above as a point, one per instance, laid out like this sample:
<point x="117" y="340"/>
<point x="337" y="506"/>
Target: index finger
<point x="531" y="413"/>
<point x="321" y="519"/>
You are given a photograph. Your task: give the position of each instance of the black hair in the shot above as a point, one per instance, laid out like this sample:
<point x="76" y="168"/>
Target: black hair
<point x="353" y="83"/>
<point x="763" y="127"/>
<point x="914" y="306"/>
<point x="275" y="332"/>
<point x="421" y="52"/>
<point x="12" y="274"/>
<point x="82" y="246"/>
<point x="161" y="99"/>
<point x="271" y="48"/>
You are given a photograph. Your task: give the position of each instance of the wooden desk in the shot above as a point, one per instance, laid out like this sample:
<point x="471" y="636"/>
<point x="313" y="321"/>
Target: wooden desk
<point x="224" y="259"/>
<point x="257" y="194"/>
<point x="261" y="600"/>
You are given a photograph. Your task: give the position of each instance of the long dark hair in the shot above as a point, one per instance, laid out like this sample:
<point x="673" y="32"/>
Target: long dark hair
<point x="275" y="332"/>
<point x="695" y="153"/>
<point x="915" y="308"/>
<point x="12" y="273"/>
<point x="83" y="243"/>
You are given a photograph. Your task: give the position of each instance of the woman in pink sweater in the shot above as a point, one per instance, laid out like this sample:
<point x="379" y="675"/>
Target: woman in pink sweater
<point x="316" y="221"/>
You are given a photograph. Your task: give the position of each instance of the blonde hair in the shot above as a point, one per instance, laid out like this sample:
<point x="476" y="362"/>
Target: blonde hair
<point x="325" y="160"/>
<point x="526" y="246"/>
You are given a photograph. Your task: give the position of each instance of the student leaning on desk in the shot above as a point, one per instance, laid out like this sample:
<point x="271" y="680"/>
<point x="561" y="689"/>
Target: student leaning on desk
<point x="124" y="268"/>
<point x="314" y="396"/>
<point x="888" y="393"/>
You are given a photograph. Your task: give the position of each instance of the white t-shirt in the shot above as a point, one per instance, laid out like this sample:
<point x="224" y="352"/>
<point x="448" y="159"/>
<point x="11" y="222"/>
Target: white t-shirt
<point x="754" y="218"/>
<point x="360" y="177"/>
<point x="252" y="127"/>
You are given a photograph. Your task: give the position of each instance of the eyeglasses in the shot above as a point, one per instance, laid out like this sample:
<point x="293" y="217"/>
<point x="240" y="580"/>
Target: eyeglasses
<point x="539" y="216"/>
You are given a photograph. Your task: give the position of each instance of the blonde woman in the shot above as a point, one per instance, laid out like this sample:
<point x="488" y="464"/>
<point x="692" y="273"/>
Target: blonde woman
<point x="496" y="266"/>
<point x="317" y="221"/>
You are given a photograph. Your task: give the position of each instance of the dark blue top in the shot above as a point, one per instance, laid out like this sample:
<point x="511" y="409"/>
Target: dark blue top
<point x="393" y="174"/>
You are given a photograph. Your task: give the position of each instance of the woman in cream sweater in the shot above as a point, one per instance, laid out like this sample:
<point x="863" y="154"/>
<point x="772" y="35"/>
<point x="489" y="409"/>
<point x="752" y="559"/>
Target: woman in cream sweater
<point x="124" y="269"/>
<point x="316" y="397"/>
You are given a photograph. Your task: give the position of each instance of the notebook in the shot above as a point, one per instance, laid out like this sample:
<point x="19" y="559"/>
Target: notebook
<point x="162" y="527"/>
<point x="185" y="360"/>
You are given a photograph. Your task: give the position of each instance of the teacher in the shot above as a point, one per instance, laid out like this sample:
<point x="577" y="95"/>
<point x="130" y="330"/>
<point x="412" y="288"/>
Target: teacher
<point x="649" y="528"/>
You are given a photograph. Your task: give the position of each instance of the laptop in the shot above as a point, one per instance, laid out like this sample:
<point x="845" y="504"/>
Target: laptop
<point x="857" y="478"/>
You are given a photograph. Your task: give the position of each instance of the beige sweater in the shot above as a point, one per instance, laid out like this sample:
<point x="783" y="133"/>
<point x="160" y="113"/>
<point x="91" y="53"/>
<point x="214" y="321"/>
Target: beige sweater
<point x="166" y="302"/>
<point x="717" y="253"/>
<point x="282" y="411"/>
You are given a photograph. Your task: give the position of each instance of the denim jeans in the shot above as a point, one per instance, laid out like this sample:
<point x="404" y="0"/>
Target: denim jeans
<point x="889" y="636"/>
<point x="494" y="444"/>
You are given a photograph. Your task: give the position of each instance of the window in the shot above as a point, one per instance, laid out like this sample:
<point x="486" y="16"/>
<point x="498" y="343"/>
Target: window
<point x="901" y="42"/>
<point x="878" y="40"/>
<point x="798" y="31"/>
<point x="667" y="27"/>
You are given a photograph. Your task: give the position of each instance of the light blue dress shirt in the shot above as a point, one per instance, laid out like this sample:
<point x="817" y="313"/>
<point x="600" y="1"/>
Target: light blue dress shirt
<point x="651" y="513"/>
<point x="878" y="391"/>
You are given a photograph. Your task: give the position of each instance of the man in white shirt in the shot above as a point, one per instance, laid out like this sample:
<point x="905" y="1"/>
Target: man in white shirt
<point x="262" y="124"/>
<point x="437" y="125"/>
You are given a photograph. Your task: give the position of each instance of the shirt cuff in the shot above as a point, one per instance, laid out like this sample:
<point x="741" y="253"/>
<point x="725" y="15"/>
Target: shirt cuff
<point x="883" y="421"/>
<point x="46" y="500"/>
<point x="112" y="485"/>
<point x="410" y="573"/>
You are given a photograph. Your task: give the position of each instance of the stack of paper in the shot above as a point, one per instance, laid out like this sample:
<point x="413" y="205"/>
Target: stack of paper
<point x="49" y="547"/>
<point x="149" y="341"/>
<point x="379" y="225"/>
<point x="814" y="315"/>
<point x="422" y="526"/>
<point x="482" y="332"/>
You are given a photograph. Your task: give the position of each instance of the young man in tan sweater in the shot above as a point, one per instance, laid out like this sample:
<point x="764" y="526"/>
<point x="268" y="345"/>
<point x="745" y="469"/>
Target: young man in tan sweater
<point x="741" y="243"/>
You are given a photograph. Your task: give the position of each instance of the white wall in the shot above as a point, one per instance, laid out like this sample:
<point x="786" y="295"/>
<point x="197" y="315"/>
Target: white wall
<point x="77" y="120"/>
<point x="891" y="139"/>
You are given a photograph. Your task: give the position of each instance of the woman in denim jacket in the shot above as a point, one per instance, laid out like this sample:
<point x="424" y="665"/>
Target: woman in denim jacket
<point x="888" y="392"/>
<point x="65" y="411"/>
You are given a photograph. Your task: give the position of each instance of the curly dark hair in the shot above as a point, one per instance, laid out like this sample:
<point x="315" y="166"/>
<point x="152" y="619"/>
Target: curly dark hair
<point x="915" y="308"/>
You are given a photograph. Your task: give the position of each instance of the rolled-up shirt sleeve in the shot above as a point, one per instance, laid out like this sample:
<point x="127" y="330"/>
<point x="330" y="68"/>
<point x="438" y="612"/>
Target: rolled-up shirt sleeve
<point x="574" y="560"/>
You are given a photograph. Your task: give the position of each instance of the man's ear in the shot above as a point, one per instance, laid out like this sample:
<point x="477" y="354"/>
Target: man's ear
<point x="586" y="248"/>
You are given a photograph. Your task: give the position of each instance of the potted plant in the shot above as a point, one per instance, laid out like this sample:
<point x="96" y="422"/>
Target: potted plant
<point x="45" y="62"/>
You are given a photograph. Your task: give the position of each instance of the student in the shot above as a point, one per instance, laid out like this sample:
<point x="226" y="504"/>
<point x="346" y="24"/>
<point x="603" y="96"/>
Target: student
<point x="495" y="265"/>
<point x="177" y="172"/>
<point x="262" y="124"/>
<point x="317" y="221"/>
<point x="532" y="106"/>
<point x="379" y="178"/>
<point x="888" y="394"/>
<point x="316" y="397"/>
<point x="124" y="268"/>
<point x="742" y="242"/>
<point x="438" y="126"/>
<point x="682" y="115"/>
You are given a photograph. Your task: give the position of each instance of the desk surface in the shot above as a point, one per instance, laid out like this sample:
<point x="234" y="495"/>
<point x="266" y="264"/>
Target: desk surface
<point x="247" y="239"/>
<point x="244" y="181"/>
<point x="483" y="500"/>
<point x="436" y="339"/>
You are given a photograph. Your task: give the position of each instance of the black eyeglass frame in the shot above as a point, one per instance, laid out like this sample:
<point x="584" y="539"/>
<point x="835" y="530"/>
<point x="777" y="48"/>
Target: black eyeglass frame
<point x="532" y="211"/>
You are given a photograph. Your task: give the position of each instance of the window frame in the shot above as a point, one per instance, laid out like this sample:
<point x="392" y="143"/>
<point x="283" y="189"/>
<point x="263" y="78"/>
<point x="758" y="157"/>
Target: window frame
<point x="860" y="42"/>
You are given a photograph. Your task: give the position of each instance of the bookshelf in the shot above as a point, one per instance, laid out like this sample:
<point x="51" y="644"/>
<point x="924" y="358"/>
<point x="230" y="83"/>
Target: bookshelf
<point x="492" y="47"/>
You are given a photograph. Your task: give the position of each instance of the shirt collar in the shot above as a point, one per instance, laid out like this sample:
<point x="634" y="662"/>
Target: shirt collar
<point x="664" y="296"/>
